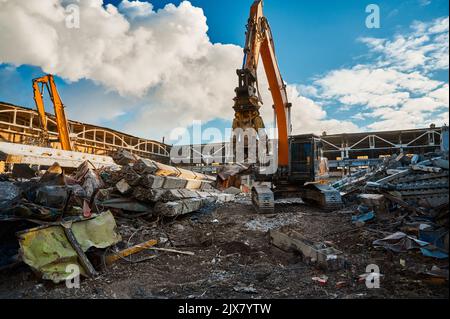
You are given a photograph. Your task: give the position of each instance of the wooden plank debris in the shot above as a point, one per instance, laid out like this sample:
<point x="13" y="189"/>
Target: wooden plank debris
<point x="129" y="251"/>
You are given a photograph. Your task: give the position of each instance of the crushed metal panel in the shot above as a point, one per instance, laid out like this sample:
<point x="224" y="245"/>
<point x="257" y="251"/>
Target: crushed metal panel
<point x="326" y="257"/>
<point x="48" y="251"/>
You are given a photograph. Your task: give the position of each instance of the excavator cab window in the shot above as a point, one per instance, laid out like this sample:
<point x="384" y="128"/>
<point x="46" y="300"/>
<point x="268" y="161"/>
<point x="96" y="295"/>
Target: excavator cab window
<point x="302" y="158"/>
<point x="305" y="157"/>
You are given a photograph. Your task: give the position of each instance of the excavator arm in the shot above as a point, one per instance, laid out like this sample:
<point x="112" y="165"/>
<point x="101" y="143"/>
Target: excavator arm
<point x="259" y="43"/>
<point x="48" y="82"/>
<point x="290" y="179"/>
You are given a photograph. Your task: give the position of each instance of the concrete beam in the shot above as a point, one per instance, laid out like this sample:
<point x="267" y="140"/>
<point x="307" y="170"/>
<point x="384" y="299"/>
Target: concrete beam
<point x="13" y="153"/>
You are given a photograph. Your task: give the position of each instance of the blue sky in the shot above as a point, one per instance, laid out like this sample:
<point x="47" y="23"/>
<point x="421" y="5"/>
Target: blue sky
<point x="318" y="43"/>
<point x="313" y="37"/>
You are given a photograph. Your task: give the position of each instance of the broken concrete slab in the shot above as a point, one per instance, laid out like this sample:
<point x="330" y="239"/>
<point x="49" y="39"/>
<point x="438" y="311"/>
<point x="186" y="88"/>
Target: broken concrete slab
<point x="232" y="190"/>
<point x="317" y="253"/>
<point x="131" y="176"/>
<point x="193" y="184"/>
<point x="104" y="193"/>
<point x="177" y="194"/>
<point x="145" y="166"/>
<point x="88" y="178"/>
<point x="123" y="157"/>
<point x="123" y="187"/>
<point x="181" y="207"/>
<point x="152" y="181"/>
<point x="167" y="195"/>
<point x="127" y="204"/>
<point x="225" y="198"/>
<point x="13" y="153"/>
<point x="146" y="195"/>
<point x="173" y="182"/>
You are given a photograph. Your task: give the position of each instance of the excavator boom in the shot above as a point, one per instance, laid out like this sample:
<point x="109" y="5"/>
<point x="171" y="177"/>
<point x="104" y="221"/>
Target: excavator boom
<point x="48" y="82"/>
<point x="259" y="43"/>
<point x="296" y="157"/>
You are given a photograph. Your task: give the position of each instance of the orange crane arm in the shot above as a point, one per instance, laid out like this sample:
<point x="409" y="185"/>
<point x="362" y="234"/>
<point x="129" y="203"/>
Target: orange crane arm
<point x="61" y="120"/>
<point x="259" y="43"/>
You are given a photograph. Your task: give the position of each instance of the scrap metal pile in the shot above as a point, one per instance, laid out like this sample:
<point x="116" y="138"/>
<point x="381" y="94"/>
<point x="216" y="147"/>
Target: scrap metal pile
<point x="406" y="195"/>
<point x="51" y="221"/>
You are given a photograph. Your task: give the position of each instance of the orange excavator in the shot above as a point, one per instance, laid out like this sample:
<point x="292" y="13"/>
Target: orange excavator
<point x="301" y="168"/>
<point x="62" y="126"/>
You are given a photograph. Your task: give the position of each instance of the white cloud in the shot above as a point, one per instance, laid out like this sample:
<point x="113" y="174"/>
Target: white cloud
<point x="374" y="87"/>
<point x="107" y="48"/>
<point x="307" y="115"/>
<point x="135" y="9"/>
<point x="441" y="95"/>
<point x="168" y="73"/>
<point x="359" y="116"/>
<point x="424" y="3"/>
<point x="162" y="63"/>
<point x="426" y="47"/>
<point x="397" y="90"/>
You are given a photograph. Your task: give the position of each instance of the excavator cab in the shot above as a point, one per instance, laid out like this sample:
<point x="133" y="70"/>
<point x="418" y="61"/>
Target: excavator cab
<point x="305" y="157"/>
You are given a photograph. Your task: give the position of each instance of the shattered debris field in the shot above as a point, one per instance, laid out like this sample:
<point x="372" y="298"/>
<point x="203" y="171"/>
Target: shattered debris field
<point x="142" y="229"/>
<point x="233" y="258"/>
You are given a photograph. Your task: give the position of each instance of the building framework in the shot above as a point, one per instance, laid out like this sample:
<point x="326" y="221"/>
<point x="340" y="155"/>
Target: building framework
<point x="348" y="151"/>
<point x="345" y="152"/>
<point x="21" y="125"/>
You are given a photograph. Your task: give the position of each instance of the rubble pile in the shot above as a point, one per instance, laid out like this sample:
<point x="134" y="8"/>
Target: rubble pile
<point x="52" y="221"/>
<point x="145" y="185"/>
<point x="407" y="196"/>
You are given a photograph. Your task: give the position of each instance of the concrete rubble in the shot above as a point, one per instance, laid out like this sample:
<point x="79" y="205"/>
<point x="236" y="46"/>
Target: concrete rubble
<point x="140" y="210"/>
<point x="167" y="191"/>
<point x="69" y="217"/>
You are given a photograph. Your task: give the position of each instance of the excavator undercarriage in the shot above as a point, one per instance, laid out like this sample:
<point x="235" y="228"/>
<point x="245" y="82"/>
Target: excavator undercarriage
<point x="305" y="178"/>
<point x="321" y="195"/>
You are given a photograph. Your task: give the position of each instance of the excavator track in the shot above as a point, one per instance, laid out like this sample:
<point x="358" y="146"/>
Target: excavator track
<point x="263" y="199"/>
<point x="323" y="196"/>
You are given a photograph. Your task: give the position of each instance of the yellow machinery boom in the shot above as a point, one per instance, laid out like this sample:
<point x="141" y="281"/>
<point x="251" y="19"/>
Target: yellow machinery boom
<point x="61" y="120"/>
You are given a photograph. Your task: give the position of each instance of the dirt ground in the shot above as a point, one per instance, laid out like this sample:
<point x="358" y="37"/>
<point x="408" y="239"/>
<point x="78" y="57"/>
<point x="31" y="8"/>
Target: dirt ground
<point x="234" y="259"/>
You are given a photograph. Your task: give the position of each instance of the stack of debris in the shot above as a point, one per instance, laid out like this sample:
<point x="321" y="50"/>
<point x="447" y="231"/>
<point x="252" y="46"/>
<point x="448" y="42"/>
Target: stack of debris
<point x="53" y="221"/>
<point x="143" y="185"/>
<point x="406" y="193"/>
<point x="47" y="222"/>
